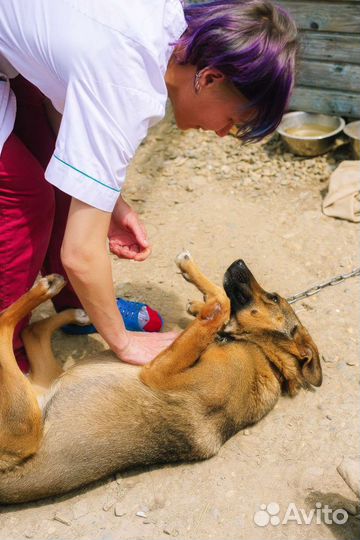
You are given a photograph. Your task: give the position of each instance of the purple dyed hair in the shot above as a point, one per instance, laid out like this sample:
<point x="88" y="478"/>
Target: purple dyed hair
<point x="254" y="44"/>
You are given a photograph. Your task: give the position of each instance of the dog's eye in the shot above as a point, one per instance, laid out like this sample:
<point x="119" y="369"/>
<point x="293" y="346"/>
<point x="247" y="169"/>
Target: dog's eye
<point x="274" y="298"/>
<point x="293" y="331"/>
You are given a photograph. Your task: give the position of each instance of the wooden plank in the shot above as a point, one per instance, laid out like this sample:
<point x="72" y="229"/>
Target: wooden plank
<point x="332" y="47"/>
<point x="324" y="16"/>
<point x="326" y="101"/>
<point x="328" y="75"/>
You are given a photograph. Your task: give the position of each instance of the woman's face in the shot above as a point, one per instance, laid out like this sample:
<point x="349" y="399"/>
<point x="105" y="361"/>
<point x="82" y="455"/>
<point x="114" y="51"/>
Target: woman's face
<point x="208" y="101"/>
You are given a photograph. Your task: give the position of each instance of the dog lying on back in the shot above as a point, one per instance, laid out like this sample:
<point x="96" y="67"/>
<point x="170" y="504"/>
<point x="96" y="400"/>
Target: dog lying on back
<point x="224" y="372"/>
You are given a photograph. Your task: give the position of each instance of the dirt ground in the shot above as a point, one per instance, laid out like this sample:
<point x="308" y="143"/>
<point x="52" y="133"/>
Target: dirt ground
<point x="223" y="201"/>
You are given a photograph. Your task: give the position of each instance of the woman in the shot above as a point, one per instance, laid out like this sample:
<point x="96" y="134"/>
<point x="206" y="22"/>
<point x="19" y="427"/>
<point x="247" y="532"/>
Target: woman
<point x="106" y="69"/>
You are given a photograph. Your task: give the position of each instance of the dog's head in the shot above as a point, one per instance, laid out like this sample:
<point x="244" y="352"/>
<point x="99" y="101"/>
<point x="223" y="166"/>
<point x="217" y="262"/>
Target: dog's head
<point x="268" y="319"/>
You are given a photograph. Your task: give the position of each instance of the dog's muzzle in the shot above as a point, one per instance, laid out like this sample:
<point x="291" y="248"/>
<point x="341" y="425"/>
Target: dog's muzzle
<point x="237" y="285"/>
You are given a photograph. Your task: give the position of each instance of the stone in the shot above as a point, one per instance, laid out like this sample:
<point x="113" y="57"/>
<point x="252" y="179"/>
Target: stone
<point x="62" y="518"/>
<point x="141" y="514"/>
<point x="329" y="359"/>
<point x="158" y="502"/>
<point x="215" y="512"/>
<point x="225" y="169"/>
<point x="80" y="509"/>
<point x="118" y="478"/>
<point x="119" y="510"/>
<point x="170" y="532"/>
<point x="349" y="470"/>
<point x="109" y="504"/>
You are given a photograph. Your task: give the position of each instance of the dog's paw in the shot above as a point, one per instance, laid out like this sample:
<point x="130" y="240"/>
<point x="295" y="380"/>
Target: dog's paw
<point x="80" y="317"/>
<point x="182" y="260"/>
<point x="210" y="311"/>
<point x="216" y="309"/>
<point x="183" y="256"/>
<point x="194" y="308"/>
<point x="50" y="285"/>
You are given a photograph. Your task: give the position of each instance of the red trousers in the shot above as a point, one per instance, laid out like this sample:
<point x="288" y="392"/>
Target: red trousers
<point x="33" y="213"/>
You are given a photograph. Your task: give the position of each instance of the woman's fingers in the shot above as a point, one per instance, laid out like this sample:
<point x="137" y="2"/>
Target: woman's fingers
<point x="132" y="251"/>
<point x="144" y="347"/>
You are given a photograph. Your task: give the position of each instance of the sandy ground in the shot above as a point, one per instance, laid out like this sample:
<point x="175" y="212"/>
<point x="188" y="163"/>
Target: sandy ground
<point x="223" y="201"/>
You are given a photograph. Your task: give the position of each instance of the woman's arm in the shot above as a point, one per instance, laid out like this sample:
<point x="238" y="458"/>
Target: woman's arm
<point x="88" y="266"/>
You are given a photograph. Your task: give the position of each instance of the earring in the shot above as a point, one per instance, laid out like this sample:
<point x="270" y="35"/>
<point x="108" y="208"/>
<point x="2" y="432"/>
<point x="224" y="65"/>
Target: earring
<point x="197" y="81"/>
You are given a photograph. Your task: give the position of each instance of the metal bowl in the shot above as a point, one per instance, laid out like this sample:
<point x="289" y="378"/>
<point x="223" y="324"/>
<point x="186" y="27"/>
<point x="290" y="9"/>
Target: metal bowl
<point x="307" y="134"/>
<point x="352" y="130"/>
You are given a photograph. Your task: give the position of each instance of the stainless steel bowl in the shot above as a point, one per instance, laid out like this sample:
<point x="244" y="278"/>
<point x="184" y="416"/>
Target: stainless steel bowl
<point x="352" y="130"/>
<point x="295" y="125"/>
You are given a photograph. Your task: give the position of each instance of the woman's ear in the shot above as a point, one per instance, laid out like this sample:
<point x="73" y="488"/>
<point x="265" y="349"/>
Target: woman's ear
<point x="208" y="77"/>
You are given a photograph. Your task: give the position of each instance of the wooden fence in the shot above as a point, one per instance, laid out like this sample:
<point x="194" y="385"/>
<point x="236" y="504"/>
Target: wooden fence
<point x="328" y="77"/>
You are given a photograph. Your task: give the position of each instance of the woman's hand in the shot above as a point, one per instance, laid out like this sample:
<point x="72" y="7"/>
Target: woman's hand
<point x="127" y="234"/>
<point x="144" y="347"/>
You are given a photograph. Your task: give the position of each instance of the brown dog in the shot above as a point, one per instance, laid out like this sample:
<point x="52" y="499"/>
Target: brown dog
<point x="224" y="372"/>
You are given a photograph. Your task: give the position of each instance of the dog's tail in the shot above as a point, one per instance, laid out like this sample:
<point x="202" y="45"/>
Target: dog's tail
<point x="57" y="469"/>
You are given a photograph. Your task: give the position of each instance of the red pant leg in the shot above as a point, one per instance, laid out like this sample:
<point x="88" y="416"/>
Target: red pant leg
<point x="67" y="297"/>
<point x="26" y="218"/>
<point x="34" y="130"/>
<point x="27" y="207"/>
<point x="31" y="124"/>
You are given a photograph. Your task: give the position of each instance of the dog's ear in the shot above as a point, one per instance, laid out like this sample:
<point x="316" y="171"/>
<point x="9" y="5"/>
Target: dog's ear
<point x="309" y="359"/>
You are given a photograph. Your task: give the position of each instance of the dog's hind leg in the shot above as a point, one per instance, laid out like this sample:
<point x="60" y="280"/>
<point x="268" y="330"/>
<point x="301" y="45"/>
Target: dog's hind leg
<point x="191" y="273"/>
<point x="20" y="415"/>
<point x="37" y="340"/>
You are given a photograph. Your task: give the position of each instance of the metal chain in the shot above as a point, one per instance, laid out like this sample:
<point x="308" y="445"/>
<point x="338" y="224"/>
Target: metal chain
<point x="316" y="288"/>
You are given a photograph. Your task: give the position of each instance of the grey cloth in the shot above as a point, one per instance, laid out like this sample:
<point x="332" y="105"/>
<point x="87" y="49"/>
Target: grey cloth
<point x="343" y="198"/>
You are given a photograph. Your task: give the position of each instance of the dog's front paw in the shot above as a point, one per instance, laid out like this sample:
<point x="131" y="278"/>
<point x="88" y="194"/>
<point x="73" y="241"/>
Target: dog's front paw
<point x="211" y="311"/>
<point x="194" y="308"/>
<point x="184" y="256"/>
<point x="217" y="310"/>
<point x="182" y="261"/>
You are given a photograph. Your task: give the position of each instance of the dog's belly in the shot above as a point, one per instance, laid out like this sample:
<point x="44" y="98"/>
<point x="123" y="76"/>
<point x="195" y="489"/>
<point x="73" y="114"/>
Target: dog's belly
<point x="103" y="369"/>
<point x="100" y="418"/>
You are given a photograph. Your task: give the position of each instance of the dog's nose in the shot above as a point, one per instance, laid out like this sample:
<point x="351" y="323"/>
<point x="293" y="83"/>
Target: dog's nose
<point x="237" y="285"/>
<point x="239" y="271"/>
<point x="239" y="262"/>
